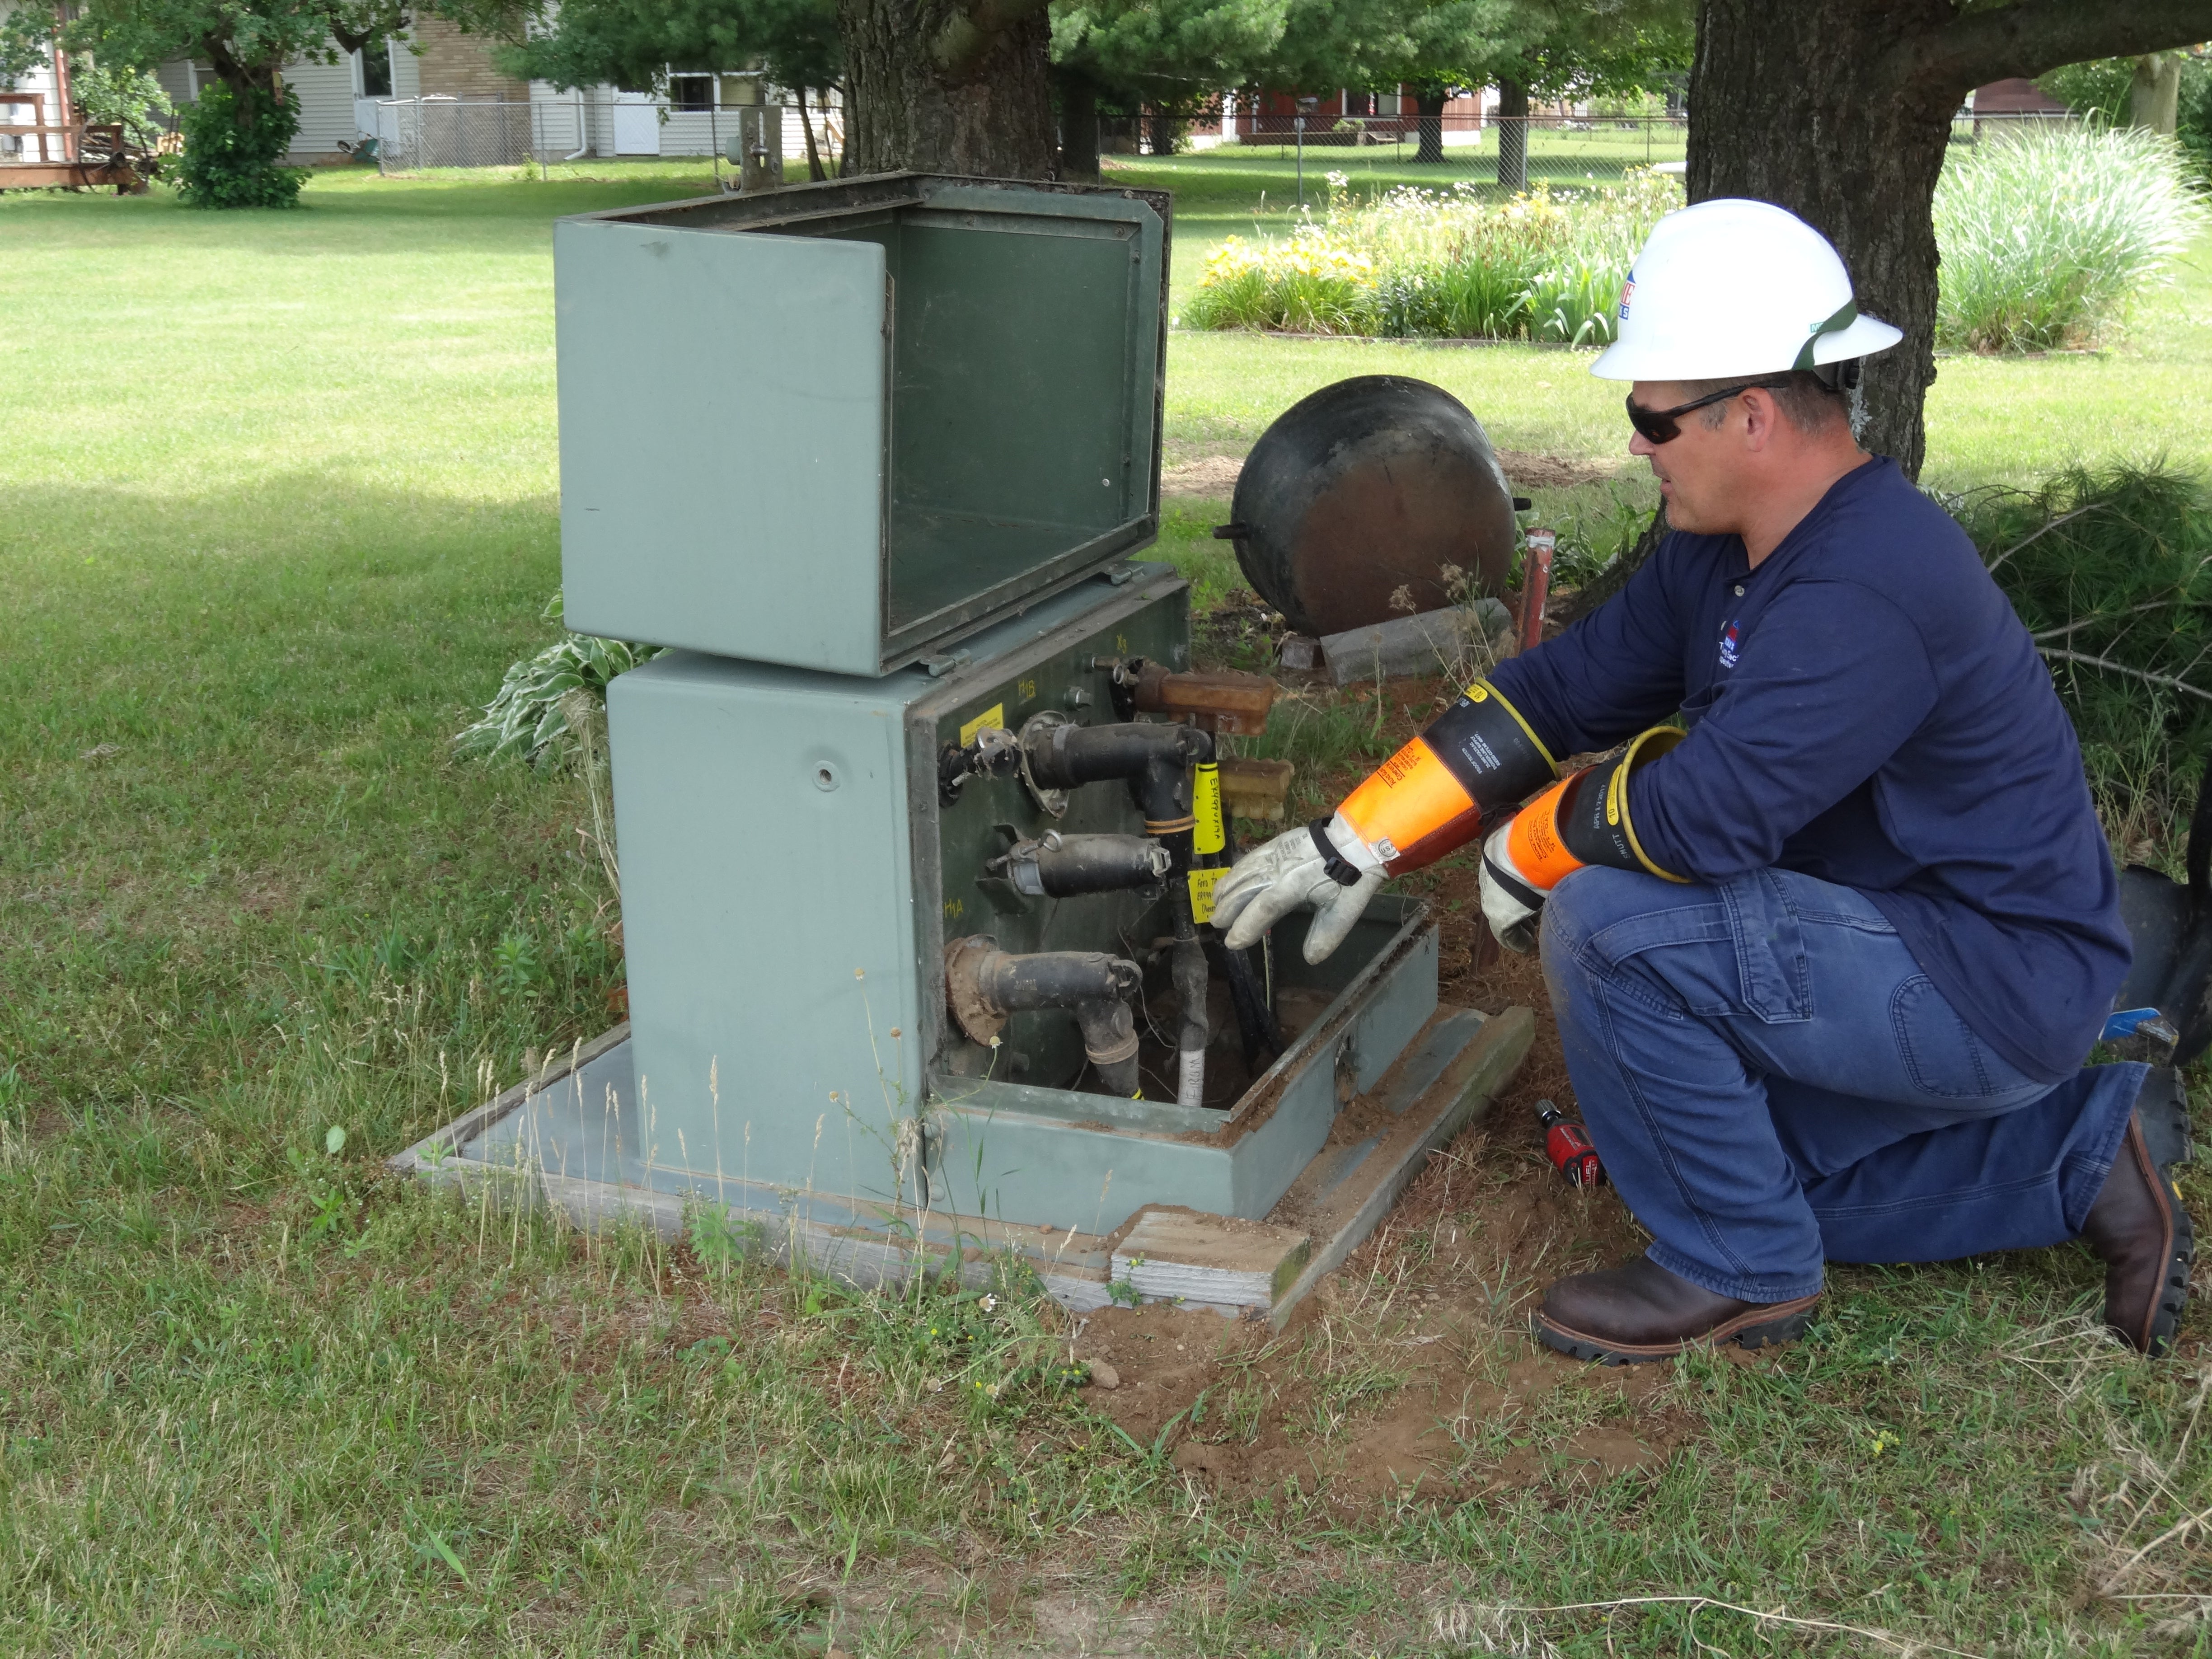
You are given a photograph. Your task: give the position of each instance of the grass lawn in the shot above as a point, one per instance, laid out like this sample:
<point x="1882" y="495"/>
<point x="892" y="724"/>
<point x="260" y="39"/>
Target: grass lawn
<point x="277" y="504"/>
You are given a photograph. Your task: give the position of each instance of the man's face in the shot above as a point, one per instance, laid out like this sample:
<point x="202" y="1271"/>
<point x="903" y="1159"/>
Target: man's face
<point x="1695" y="467"/>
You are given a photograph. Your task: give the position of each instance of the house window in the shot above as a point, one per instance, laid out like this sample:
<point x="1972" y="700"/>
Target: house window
<point x="376" y="62"/>
<point x="694" y="93"/>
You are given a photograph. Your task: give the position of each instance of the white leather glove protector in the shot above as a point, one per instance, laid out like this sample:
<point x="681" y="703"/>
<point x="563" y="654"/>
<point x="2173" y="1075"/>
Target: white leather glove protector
<point x="1511" y="905"/>
<point x="1270" y="881"/>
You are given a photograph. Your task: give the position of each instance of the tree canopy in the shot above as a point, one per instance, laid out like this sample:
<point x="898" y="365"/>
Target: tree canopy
<point x="1168" y="56"/>
<point x="634" y="43"/>
<point x="1548" y="47"/>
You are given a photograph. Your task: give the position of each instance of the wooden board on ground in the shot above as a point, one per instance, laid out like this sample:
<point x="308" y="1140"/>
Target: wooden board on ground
<point x="1182" y="1255"/>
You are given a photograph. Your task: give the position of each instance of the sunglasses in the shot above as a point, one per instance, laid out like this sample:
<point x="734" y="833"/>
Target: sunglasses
<point x="1663" y="426"/>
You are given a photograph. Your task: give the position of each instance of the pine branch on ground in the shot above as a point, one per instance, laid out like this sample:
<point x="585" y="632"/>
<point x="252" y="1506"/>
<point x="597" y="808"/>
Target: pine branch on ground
<point x="2110" y="569"/>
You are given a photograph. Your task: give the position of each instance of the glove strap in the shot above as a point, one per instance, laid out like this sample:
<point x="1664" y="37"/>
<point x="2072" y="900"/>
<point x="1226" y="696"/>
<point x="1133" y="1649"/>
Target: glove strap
<point x="1333" y="864"/>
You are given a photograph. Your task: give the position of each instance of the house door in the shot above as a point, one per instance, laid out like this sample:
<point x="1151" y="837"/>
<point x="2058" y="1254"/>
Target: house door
<point x="637" y="124"/>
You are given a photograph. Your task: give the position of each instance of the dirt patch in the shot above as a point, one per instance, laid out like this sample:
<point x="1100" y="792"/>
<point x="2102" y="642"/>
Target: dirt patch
<point x="1213" y="477"/>
<point x="1209" y="478"/>
<point x="1526" y="469"/>
<point x="1409" y="1377"/>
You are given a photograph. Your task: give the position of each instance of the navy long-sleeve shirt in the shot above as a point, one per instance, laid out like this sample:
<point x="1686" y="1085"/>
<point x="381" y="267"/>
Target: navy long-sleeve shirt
<point x="1865" y="708"/>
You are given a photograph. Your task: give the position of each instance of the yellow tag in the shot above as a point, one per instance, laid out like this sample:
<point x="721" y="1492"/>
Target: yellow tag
<point x="995" y="715"/>
<point x="1209" y="837"/>
<point x="1202" y="883"/>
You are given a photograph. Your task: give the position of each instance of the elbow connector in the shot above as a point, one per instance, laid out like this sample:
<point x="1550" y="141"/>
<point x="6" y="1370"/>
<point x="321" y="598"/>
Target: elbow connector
<point x="984" y="985"/>
<point x="1054" y="865"/>
<point x="1154" y="758"/>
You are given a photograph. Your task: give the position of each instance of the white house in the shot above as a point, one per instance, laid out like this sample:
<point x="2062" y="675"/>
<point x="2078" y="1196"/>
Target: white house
<point x="436" y="99"/>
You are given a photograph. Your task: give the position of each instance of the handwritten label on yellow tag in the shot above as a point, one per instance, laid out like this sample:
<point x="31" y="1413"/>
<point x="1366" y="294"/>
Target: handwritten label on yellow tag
<point x="1202" y="883"/>
<point x="995" y="715"/>
<point x="1209" y="837"/>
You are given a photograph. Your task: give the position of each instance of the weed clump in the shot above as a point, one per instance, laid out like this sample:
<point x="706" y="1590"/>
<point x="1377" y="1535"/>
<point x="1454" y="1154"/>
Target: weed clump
<point x="535" y="715"/>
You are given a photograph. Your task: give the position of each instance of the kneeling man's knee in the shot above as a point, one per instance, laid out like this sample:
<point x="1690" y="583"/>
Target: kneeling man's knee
<point x="1595" y="898"/>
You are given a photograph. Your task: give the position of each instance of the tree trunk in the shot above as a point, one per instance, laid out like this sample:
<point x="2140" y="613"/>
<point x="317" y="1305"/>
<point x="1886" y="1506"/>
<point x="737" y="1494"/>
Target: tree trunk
<point x="939" y="86"/>
<point x="1162" y="132"/>
<point x="1079" y="126"/>
<point x="2155" y="93"/>
<point x="1853" y="149"/>
<point x="1429" y="122"/>
<point x="814" y="172"/>
<point x="1839" y="110"/>
<point x="1512" y="138"/>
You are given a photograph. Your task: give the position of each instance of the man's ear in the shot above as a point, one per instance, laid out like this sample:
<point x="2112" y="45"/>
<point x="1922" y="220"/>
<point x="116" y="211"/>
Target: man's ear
<point x="1761" y="417"/>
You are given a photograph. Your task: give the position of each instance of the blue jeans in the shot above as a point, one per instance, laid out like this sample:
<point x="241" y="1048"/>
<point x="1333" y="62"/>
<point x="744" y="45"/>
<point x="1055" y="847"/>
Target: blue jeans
<point x="1773" y="1083"/>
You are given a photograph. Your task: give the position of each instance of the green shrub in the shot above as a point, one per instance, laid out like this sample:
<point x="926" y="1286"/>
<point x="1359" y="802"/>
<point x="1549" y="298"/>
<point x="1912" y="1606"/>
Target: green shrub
<point x="2047" y="234"/>
<point x="234" y="150"/>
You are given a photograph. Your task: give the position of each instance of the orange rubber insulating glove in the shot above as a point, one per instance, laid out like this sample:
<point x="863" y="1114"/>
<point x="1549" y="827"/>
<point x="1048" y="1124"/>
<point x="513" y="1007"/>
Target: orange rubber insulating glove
<point x="1581" y="820"/>
<point x="1478" y="756"/>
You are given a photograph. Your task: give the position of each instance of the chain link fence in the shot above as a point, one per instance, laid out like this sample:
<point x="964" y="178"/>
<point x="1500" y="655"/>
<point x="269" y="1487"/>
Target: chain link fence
<point x="1553" y="146"/>
<point x="1487" y="153"/>
<point x="415" y="133"/>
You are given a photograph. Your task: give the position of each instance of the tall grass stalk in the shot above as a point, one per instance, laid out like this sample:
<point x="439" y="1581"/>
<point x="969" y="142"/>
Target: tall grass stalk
<point x="2048" y="234"/>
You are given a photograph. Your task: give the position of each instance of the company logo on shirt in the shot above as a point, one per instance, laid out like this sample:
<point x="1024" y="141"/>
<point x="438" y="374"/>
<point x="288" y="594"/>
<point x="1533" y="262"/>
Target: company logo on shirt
<point x="1731" y="637"/>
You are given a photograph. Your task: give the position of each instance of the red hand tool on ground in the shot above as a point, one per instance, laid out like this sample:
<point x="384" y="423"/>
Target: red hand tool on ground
<point x="1568" y="1145"/>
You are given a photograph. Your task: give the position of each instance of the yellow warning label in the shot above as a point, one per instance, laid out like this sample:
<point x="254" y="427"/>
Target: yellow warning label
<point x="1205" y="806"/>
<point x="995" y="715"/>
<point x="1202" y="883"/>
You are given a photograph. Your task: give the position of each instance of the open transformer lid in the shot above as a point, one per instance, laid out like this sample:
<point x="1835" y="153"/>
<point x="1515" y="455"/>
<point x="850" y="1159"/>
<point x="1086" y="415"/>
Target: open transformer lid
<point x="840" y="426"/>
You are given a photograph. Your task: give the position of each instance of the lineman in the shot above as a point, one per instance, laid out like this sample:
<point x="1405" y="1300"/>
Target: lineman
<point x="1827" y="959"/>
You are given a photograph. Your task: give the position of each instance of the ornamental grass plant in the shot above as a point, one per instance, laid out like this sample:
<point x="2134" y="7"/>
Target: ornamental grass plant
<point x="2049" y="233"/>
<point x="1416" y="263"/>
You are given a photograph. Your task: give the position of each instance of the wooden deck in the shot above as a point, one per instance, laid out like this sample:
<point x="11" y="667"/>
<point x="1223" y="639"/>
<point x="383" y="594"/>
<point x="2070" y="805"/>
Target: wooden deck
<point x="69" y="156"/>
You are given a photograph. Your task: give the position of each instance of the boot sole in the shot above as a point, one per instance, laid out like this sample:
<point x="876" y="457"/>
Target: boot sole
<point x="1755" y="1327"/>
<point x="2163" y="1110"/>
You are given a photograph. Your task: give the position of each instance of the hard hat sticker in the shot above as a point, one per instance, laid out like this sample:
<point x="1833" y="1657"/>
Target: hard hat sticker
<point x="1627" y="289"/>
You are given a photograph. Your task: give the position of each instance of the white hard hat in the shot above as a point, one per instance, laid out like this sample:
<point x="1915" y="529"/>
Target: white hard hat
<point x="1731" y="287"/>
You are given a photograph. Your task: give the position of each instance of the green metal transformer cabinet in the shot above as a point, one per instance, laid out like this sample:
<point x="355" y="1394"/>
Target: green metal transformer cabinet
<point x="874" y="456"/>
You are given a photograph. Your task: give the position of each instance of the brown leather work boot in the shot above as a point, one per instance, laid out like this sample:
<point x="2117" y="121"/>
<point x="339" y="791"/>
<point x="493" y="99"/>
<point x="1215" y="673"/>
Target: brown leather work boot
<point x="2141" y="1234"/>
<point x="1639" y="1312"/>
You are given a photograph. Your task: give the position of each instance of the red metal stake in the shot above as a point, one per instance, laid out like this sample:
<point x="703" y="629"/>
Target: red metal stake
<point x="1536" y="585"/>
